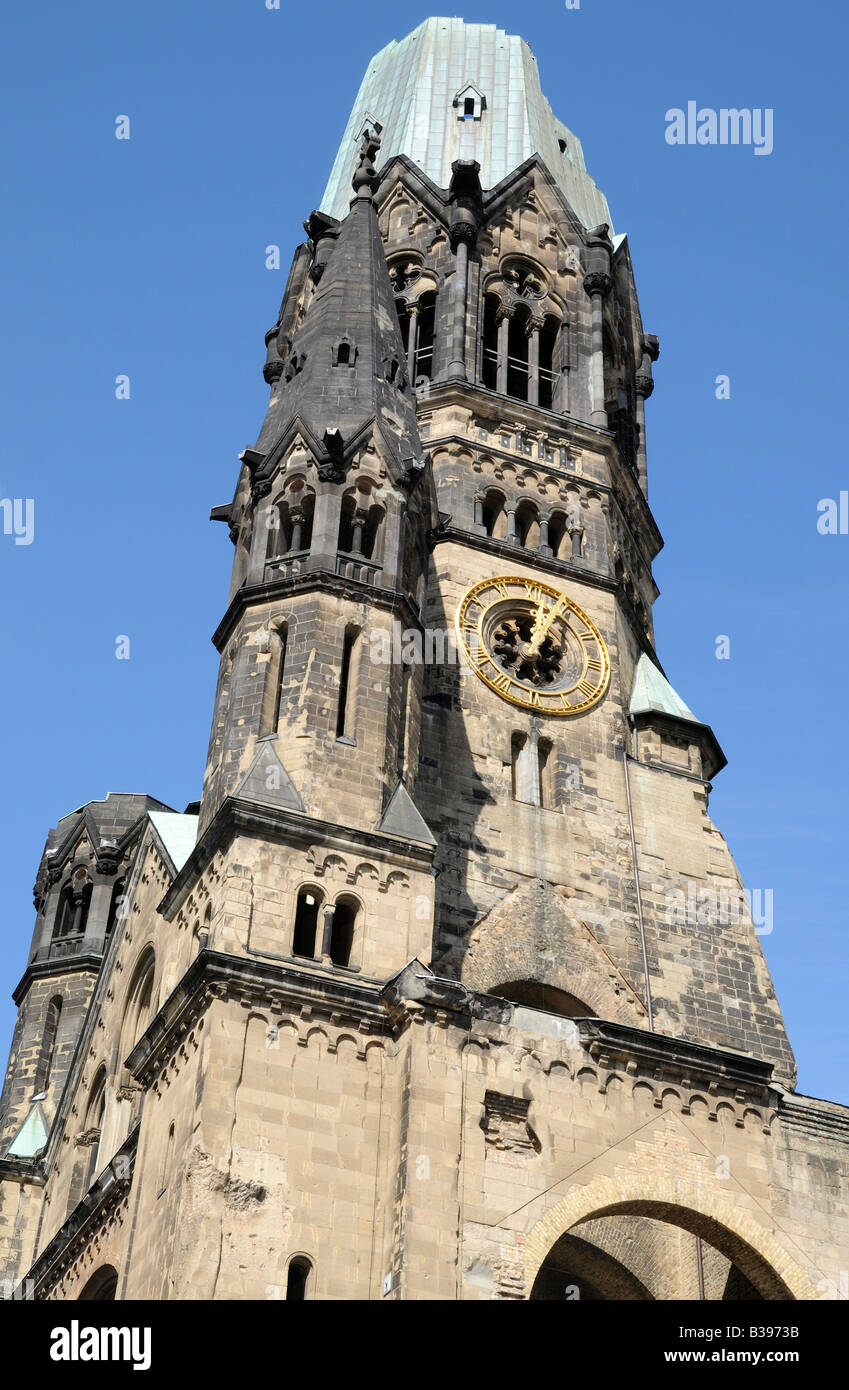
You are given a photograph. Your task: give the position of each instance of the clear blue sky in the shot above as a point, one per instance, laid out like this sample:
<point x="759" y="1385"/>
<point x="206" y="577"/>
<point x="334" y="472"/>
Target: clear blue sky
<point x="147" y="258"/>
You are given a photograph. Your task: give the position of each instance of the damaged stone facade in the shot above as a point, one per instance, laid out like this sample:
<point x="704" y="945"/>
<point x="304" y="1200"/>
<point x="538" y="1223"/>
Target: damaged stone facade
<point x="383" y="1016"/>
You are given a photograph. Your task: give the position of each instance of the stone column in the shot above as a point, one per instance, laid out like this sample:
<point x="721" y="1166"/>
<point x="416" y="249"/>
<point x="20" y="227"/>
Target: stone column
<point x="512" y="538"/>
<point x="413" y="342"/>
<point x="479" y="509"/>
<point x="461" y="235"/>
<point x="327" y="933"/>
<point x="533" y="364"/>
<point x="597" y="285"/>
<point x="503" y="317"/>
<point x="260" y="532"/>
<point x="359" y="524"/>
<point x="575" y="528"/>
<point x="544" y="547"/>
<point x="325" y="533"/>
<point x="297" y="518"/>
<point x="643" y="386"/>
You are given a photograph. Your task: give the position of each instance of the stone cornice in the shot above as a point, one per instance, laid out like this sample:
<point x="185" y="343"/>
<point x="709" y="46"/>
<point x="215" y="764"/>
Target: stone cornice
<point x="661" y="1055"/>
<point x="717" y="1073"/>
<point x="22" y="1170"/>
<point x="236" y="816"/>
<point x="529" y="559"/>
<point x="215" y="974"/>
<point x="47" y="969"/>
<point x="100" y="1201"/>
<point x="322" y="579"/>
<point x="472" y="395"/>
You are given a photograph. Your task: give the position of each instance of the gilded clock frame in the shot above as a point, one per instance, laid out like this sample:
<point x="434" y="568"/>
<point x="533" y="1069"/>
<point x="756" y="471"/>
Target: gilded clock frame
<point x="595" y="690"/>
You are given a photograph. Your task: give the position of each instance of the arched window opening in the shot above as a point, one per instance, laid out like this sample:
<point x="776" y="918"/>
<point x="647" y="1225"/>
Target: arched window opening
<point x="361" y="526"/>
<point x="547" y="375"/>
<point x="546" y="781"/>
<point x="402" y="309"/>
<point x="167" y="1158"/>
<point x="427" y="328"/>
<point x="494" y="516"/>
<point x="72" y="910"/>
<point x="298" y="1278"/>
<point x="102" y="1287"/>
<point x="306" y="923"/>
<point x="93" y="1125"/>
<point x="489" y="360"/>
<point x="345" y="915"/>
<point x="518" y="765"/>
<point x="348" y="682"/>
<point x="115" y="905"/>
<point x="139" y="1005"/>
<point x="64" y="914"/>
<point x="48" y="1044"/>
<point x="527" y="526"/>
<point x="279" y="530"/>
<point x="273" y="688"/>
<point x="532" y="994"/>
<point x="558" y="540"/>
<point x="343" y="356"/>
<point x="290" y="524"/>
<point x="517" y="357"/>
<point x="532" y="766"/>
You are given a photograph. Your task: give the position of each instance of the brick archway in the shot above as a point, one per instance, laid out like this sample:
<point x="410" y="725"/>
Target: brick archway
<point x="733" y="1232"/>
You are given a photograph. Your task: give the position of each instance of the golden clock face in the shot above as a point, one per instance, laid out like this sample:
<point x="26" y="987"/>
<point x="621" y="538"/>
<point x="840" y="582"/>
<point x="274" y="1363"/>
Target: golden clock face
<point x="533" y="646"/>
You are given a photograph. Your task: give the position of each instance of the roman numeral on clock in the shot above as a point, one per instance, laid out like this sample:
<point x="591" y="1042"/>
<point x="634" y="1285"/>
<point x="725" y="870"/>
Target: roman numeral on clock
<point x="586" y="689"/>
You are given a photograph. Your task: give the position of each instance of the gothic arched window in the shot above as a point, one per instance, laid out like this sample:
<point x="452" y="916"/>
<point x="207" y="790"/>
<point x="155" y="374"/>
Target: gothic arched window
<point x="298" y="1278"/>
<point x="527" y="525"/>
<point x="345" y="914"/>
<point x="115" y="905"/>
<point x="305" y="936"/>
<point x="494" y="515"/>
<point x="48" y="1044"/>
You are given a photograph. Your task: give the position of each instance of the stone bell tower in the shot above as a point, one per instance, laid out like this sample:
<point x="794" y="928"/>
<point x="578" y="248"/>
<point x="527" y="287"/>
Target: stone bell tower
<point x="452" y="989"/>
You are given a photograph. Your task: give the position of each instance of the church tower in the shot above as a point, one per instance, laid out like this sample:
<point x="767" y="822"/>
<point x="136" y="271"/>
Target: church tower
<point x="451" y="988"/>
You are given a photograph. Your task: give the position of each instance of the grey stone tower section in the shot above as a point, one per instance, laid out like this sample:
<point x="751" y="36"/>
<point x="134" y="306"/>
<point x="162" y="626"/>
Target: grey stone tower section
<point x="78" y="900"/>
<point x="443" y="94"/>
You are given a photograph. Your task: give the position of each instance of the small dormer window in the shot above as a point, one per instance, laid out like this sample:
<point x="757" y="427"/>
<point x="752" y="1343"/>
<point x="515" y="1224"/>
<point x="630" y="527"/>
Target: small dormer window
<point x="469" y="103"/>
<point x="344" y="353"/>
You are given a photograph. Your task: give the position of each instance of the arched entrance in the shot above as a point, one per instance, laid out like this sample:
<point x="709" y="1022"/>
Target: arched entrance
<point x="102" y="1287"/>
<point x="612" y="1236"/>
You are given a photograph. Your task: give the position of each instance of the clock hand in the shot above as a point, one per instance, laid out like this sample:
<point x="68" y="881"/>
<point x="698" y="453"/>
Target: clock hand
<point x="540" y="630"/>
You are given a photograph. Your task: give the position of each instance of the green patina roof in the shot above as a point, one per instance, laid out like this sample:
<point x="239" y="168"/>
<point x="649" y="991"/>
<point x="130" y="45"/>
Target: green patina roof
<point x="410" y="86"/>
<point x="177" y="833"/>
<point x="652" y="691"/>
<point x="31" y="1137"/>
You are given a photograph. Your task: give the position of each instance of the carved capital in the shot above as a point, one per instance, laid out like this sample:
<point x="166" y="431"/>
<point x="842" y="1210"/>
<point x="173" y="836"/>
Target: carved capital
<point x="273" y="370"/>
<point x="331" y="471"/>
<point x="598" y="282"/>
<point x="465" y="231"/>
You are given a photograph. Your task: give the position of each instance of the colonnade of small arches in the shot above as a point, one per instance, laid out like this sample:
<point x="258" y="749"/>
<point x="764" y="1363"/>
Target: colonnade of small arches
<point x="556" y="531"/>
